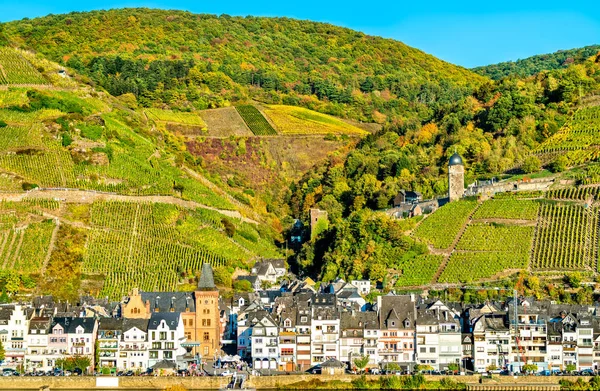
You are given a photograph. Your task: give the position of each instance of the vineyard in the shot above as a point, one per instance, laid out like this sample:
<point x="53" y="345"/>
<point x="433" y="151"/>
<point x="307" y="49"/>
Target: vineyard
<point x="257" y="123"/>
<point x="575" y="193"/>
<point x="507" y="209"/>
<point x="25" y="235"/>
<point x="418" y="271"/>
<point x="150" y="245"/>
<point x="298" y="120"/>
<point x="578" y="139"/>
<point x="14" y="69"/>
<point x="487" y="249"/>
<point x="566" y="238"/>
<point x="441" y="228"/>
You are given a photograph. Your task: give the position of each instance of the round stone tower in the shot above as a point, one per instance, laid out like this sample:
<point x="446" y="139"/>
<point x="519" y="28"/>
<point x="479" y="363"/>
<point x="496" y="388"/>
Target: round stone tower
<point x="456" y="177"/>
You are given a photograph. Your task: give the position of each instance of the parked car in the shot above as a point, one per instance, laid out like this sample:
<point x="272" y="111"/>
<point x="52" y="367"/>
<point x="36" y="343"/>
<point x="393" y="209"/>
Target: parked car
<point x="227" y="372"/>
<point x="129" y="373"/>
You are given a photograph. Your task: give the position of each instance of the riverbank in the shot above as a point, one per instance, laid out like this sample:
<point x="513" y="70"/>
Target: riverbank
<point x="293" y="382"/>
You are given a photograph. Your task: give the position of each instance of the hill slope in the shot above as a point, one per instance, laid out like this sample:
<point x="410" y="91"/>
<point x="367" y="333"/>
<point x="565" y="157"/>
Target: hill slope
<point x="95" y="198"/>
<point x="180" y="59"/>
<point x="535" y="64"/>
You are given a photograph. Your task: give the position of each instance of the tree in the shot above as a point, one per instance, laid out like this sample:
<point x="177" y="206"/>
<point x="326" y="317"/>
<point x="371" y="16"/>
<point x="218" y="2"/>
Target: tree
<point x="453" y="367"/>
<point x="491" y="367"/>
<point x="362" y="362"/>
<point x="570" y="367"/>
<point x="423" y="367"/>
<point x="560" y="164"/>
<point x="530" y="368"/>
<point x="531" y="164"/>
<point x="242" y="286"/>
<point x="2" y="352"/>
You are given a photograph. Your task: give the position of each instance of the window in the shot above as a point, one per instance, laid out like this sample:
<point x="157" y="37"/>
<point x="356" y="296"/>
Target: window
<point x="431" y="350"/>
<point x="205" y="350"/>
<point x="169" y="345"/>
<point x="422" y="350"/>
<point x="154" y="335"/>
<point x="167" y="354"/>
<point x="191" y="322"/>
<point x="188" y="335"/>
<point x="163" y="335"/>
<point x="153" y="354"/>
<point x="205" y="337"/>
<point x="185" y="322"/>
<point x="156" y="345"/>
<point x="205" y="322"/>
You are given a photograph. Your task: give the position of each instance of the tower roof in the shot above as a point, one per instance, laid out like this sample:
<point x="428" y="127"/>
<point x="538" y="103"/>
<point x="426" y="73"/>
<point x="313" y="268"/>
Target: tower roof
<point x="207" y="281"/>
<point x="455" y="160"/>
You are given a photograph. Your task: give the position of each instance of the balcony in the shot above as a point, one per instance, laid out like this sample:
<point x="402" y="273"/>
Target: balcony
<point x="78" y="344"/>
<point x="133" y="348"/>
<point x="108" y="346"/>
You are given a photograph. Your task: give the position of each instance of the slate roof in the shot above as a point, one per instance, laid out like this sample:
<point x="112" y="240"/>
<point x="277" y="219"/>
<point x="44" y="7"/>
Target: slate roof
<point x="40" y="323"/>
<point x="207" y="281"/>
<point x="359" y="321"/>
<point x="164" y="301"/>
<point x="171" y="319"/>
<point x="70" y="324"/>
<point x="141" y="324"/>
<point x="110" y="324"/>
<point x="396" y="308"/>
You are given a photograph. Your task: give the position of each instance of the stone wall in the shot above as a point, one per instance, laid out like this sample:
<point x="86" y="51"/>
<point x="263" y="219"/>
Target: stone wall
<point x="260" y="382"/>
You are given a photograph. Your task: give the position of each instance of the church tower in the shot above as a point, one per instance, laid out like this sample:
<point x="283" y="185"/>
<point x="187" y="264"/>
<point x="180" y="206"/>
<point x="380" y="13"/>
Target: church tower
<point x="456" y="177"/>
<point x="208" y="325"/>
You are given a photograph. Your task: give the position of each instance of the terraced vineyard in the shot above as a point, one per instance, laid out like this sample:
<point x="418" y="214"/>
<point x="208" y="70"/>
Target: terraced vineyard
<point x="298" y="120"/>
<point x="579" y="139"/>
<point x="507" y="209"/>
<point x="149" y="245"/>
<point x="441" y="228"/>
<point x="566" y="238"/>
<point x="255" y="121"/>
<point x="14" y="69"/>
<point x="575" y="193"/>
<point x="488" y="249"/>
<point x="418" y="271"/>
<point x="23" y="246"/>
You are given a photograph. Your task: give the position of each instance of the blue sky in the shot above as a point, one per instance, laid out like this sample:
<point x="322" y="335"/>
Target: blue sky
<point x="468" y="33"/>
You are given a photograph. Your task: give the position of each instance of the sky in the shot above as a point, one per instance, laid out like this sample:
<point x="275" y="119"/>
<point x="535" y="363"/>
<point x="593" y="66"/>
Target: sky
<point x="467" y="33"/>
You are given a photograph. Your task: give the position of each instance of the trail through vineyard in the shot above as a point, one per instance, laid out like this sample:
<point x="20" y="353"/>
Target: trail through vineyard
<point x="88" y="197"/>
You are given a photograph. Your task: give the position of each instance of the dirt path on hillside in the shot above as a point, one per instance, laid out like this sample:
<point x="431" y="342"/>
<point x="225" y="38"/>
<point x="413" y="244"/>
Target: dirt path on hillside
<point x="88" y="197"/>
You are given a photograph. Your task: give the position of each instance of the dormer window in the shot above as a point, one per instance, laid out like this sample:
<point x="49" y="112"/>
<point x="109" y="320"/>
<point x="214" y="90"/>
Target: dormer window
<point x="393" y="323"/>
<point x="406" y="323"/>
<point x="288" y="323"/>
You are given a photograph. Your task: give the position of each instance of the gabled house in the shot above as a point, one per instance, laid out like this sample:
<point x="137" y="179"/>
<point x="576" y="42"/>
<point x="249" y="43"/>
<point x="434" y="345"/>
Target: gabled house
<point x="14" y="325"/>
<point x="264" y="341"/>
<point x="166" y="333"/>
<point x="134" y="346"/>
<point x="38" y="355"/>
<point x="397" y="316"/>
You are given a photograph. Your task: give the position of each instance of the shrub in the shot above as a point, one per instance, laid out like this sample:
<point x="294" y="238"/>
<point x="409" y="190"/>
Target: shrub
<point x="3" y="124"/>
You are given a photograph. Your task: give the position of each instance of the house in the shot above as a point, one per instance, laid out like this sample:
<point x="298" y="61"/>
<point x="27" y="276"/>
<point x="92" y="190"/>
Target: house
<point x="363" y="286"/>
<point x="264" y="341"/>
<point x="350" y="299"/>
<point x="287" y="338"/>
<point x="324" y="329"/>
<point x="14" y="325"/>
<point x="109" y="335"/>
<point x="407" y="197"/>
<point x="356" y="338"/>
<point x="74" y="337"/>
<point x="532" y="333"/>
<point x="265" y="271"/>
<point x="491" y="338"/>
<point x="166" y="333"/>
<point x="38" y="356"/>
<point x="134" y="346"/>
<point x="438" y="336"/>
<point x="333" y="367"/>
<point x="278" y="266"/>
<point x="397" y="316"/>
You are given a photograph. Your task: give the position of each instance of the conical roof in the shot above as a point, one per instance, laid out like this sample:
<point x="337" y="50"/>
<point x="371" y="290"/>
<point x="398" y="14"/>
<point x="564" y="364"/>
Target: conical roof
<point x="207" y="281"/>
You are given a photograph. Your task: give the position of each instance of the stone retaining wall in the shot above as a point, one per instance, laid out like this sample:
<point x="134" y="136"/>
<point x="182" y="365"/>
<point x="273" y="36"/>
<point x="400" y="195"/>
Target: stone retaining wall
<point x="259" y="382"/>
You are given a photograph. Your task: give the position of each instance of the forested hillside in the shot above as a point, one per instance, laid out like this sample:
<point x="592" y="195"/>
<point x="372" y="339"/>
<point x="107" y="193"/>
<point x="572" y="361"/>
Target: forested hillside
<point x="183" y="59"/>
<point x="535" y="64"/>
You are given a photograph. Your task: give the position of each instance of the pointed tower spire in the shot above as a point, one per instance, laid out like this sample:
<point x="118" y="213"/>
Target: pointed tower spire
<point x="207" y="281"/>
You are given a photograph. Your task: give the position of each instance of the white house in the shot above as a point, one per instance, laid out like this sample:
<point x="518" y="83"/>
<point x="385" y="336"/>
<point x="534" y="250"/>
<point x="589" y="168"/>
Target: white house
<point x="264" y="341"/>
<point x="166" y="333"/>
<point x="134" y="345"/>
<point x="14" y="326"/>
<point x="39" y="356"/>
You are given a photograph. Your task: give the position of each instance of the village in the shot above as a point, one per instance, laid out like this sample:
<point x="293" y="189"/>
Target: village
<point x="296" y="326"/>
